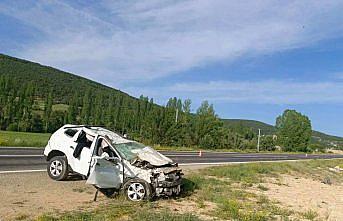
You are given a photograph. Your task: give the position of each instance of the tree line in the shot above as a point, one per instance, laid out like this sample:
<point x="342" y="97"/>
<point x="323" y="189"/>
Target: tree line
<point x="27" y="109"/>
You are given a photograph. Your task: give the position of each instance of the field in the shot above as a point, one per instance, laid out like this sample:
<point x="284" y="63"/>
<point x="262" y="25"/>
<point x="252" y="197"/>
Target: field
<point x="256" y="191"/>
<point x="22" y="139"/>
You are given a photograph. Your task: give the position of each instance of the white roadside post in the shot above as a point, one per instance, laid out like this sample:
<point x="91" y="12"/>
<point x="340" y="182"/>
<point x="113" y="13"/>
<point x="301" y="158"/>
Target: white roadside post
<point x="176" y="115"/>
<point x="258" y="140"/>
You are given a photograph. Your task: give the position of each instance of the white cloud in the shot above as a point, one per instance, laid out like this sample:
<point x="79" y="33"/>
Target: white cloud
<point x="139" y="40"/>
<point x="260" y="92"/>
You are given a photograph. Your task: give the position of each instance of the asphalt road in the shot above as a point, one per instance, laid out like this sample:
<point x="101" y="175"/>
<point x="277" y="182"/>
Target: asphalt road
<point x="21" y="159"/>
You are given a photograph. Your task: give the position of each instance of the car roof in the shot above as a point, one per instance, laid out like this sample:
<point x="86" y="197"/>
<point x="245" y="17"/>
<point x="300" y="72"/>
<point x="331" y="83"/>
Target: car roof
<point x="96" y="130"/>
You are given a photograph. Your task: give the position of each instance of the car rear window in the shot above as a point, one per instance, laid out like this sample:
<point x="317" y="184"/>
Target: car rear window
<point x="70" y="132"/>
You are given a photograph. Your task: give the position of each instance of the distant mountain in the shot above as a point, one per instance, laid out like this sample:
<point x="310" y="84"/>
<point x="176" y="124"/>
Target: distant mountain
<point x="267" y="129"/>
<point x="254" y="125"/>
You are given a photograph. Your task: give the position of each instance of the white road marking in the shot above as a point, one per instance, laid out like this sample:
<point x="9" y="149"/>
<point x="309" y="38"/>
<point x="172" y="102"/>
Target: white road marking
<point x="227" y="163"/>
<point x="23" y="148"/>
<point x="243" y="156"/>
<point x="21" y="171"/>
<point x="180" y="164"/>
<point x="167" y="155"/>
<point x="231" y="156"/>
<point x="23" y="155"/>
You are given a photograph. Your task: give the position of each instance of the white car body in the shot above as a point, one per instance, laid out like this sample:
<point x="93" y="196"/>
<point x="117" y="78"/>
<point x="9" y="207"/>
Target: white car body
<point x="144" y="163"/>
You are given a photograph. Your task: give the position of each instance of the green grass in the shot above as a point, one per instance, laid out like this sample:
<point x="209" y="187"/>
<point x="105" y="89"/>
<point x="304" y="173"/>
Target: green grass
<point x="59" y="107"/>
<point x="233" y="202"/>
<point x="261" y="187"/>
<point x="255" y="172"/>
<point x="121" y="209"/>
<point x="310" y="215"/>
<point x="22" y="217"/>
<point x="226" y="186"/>
<point x="23" y="139"/>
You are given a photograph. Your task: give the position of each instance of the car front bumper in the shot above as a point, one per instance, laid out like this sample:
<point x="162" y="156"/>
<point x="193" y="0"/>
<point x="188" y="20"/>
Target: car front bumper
<point x="168" y="188"/>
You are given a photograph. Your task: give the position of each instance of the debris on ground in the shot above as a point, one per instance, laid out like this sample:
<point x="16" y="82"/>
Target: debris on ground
<point x="336" y="169"/>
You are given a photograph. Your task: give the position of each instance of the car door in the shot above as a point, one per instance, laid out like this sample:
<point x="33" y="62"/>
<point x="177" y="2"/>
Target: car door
<point x="106" y="172"/>
<point x="81" y="160"/>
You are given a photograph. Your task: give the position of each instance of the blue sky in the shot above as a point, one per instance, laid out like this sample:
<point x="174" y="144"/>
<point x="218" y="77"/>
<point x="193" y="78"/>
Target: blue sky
<point x="251" y="59"/>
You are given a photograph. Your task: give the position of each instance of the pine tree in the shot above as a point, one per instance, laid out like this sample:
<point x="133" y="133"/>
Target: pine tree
<point x="47" y="111"/>
<point x="73" y="109"/>
<point x="86" y="107"/>
<point x="207" y="126"/>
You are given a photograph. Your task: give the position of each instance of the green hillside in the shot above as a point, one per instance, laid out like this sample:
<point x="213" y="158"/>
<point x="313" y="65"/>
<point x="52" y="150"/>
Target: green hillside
<point x="253" y="124"/>
<point x="267" y="129"/>
<point x="47" y="79"/>
<point x="38" y="98"/>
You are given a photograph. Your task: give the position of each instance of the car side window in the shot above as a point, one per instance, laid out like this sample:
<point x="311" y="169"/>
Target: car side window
<point x="70" y="132"/>
<point x="103" y="146"/>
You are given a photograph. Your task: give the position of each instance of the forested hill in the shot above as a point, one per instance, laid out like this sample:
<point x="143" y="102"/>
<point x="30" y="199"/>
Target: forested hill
<point x="267" y="129"/>
<point x="39" y="98"/>
<point x="253" y="124"/>
<point x="48" y="79"/>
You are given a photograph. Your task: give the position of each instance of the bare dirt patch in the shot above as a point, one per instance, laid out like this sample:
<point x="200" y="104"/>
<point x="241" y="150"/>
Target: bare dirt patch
<point x="304" y="194"/>
<point x="337" y="151"/>
<point x="32" y="194"/>
<point x="190" y="206"/>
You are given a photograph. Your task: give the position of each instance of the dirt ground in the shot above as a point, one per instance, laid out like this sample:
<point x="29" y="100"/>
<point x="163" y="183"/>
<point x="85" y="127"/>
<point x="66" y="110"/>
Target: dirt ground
<point x="31" y="194"/>
<point x="304" y="194"/>
<point x="337" y="151"/>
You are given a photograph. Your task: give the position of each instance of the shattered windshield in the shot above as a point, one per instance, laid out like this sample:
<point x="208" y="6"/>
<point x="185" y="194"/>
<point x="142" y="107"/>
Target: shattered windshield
<point x="129" y="150"/>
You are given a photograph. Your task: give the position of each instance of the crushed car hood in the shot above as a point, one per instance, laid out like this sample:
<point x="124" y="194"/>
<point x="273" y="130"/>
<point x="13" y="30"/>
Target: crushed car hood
<point x="153" y="157"/>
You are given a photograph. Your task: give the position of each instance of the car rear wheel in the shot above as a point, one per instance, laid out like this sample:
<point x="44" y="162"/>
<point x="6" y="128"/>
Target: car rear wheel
<point x="137" y="190"/>
<point x="58" y="168"/>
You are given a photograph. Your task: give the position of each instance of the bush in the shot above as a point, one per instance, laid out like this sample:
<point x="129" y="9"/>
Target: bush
<point x="317" y="147"/>
<point x="12" y="127"/>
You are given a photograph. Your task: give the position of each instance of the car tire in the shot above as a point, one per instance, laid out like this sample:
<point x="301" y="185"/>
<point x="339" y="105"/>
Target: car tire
<point x="58" y="168"/>
<point x="137" y="190"/>
<point x="109" y="192"/>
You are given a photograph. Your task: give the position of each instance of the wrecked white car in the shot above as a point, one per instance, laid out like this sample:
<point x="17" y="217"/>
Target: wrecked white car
<point x="111" y="162"/>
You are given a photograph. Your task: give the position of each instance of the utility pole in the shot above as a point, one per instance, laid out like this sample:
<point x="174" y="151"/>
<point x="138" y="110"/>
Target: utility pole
<point x="176" y="115"/>
<point x="258" y="140"/>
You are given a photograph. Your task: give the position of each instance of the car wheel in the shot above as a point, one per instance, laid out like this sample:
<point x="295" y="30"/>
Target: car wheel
<point x="58" y="168"/>
<point x="137" y="190"/>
